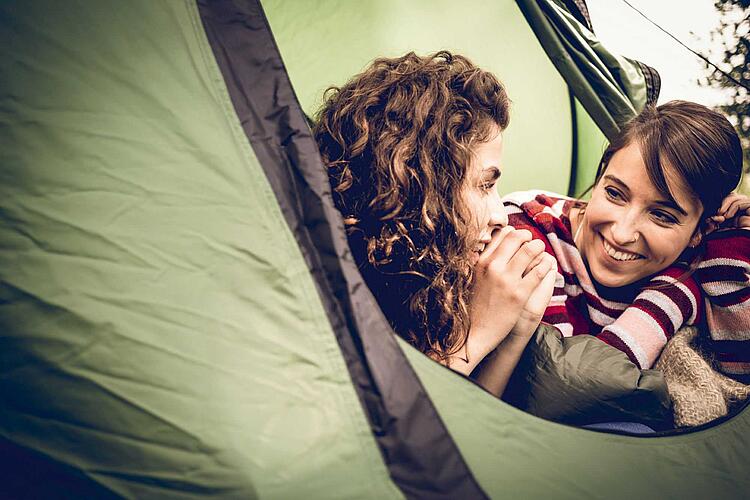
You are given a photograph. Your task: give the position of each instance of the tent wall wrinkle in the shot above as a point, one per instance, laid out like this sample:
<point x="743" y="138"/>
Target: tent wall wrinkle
<point x="611" y="88"/>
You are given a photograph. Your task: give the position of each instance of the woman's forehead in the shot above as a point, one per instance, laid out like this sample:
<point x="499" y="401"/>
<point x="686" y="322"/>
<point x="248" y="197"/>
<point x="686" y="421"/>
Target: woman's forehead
<point x="488" y="153"/>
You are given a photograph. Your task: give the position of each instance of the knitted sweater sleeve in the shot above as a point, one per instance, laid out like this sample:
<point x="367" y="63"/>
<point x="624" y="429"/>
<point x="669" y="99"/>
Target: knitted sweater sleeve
<point x="724" y="276"/>
<point x="667" y="303"/>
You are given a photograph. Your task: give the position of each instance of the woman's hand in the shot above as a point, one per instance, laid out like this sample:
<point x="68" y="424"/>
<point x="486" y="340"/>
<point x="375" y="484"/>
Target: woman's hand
<point x="494" y="374"/>
<point x="533" y="311"/>
<point x="734" y="212"/>
<point x="505" y="280"/>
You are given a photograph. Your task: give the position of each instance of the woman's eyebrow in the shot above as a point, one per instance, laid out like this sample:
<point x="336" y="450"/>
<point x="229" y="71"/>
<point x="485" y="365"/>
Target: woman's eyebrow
<point x="673" y="205"/>
<point x="491" y="173"/>
<point x="667" y="203"/>
<point x="622" y="185"/>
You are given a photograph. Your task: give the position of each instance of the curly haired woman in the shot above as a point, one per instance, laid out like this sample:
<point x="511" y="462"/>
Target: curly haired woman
<point x="413" y="146"/>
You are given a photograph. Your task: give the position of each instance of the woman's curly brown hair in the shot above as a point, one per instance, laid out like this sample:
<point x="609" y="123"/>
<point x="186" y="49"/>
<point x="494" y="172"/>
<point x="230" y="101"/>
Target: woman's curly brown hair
<point x="397" y="140"/>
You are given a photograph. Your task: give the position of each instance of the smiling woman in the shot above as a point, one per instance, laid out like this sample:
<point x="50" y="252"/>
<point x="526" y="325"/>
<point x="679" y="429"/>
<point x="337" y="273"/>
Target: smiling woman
<point x="481" y="192"/>
<point x="627" y="257"/>
<point x="180" y="314"/>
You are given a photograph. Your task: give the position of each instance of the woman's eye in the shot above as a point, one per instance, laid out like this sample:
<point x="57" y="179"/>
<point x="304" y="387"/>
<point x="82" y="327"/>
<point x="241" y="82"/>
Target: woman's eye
<point x="613" y="194"/>
<point x="488" y="186"/>
<point x="663" y="217"/>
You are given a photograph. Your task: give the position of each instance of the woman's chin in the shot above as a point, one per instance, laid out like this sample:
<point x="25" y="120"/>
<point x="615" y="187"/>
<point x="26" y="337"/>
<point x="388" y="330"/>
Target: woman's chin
<point x="609" y="279"/>
<point x="612" y="273"/>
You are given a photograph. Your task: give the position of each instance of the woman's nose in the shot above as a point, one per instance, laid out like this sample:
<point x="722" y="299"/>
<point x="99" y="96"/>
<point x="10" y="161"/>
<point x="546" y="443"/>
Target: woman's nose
<point x="498" y="217"/>
<point x="624" y="232"/>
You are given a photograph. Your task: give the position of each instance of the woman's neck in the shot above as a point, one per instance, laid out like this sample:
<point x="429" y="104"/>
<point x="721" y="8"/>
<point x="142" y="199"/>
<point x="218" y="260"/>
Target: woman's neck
<point x="575" y="217"/>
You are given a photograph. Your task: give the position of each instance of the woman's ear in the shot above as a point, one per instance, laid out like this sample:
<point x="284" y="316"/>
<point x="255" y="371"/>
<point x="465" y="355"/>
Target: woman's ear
<point x="695" y="240"/>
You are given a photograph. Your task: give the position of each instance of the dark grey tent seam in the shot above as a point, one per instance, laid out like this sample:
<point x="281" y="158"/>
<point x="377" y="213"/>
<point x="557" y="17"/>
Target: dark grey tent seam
<point x="426" y="464"/>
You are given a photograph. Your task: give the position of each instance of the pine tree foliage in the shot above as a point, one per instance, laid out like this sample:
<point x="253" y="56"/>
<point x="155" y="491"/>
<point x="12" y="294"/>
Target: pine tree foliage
<point x="733" y="57"/>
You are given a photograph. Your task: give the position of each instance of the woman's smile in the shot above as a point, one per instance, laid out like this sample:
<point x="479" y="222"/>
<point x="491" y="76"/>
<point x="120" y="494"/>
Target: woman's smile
<point x="617" y="254"/>
<point x="475" y="257"/>
<point x="481" y="195"/>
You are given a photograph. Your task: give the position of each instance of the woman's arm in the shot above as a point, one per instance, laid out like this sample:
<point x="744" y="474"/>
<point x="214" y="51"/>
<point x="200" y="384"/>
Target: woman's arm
<point x="664" y="306"/>
<point x="724" y="276"/>
<point x="497" y="369"/>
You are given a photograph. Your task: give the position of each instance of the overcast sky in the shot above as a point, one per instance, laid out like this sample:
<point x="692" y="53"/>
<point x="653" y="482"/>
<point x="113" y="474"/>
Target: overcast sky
<point x="624" y="31"/>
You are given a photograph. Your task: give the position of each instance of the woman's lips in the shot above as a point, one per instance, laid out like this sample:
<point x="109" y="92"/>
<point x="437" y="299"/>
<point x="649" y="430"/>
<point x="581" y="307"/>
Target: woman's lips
<point x="613" y="254"/>
<point x="475" y="256"/>
<point x="476" y="253"/>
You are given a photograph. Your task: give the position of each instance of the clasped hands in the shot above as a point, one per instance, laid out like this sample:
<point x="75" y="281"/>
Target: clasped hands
<point x="513" y="283"/>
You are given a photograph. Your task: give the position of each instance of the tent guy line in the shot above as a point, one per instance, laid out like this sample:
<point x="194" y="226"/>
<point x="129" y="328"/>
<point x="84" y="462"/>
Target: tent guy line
<point x="701" y="56"/>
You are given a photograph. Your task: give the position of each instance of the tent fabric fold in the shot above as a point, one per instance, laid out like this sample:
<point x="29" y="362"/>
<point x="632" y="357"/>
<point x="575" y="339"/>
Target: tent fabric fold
<point x="580" y="10"/>
<point x="611" y="88"/>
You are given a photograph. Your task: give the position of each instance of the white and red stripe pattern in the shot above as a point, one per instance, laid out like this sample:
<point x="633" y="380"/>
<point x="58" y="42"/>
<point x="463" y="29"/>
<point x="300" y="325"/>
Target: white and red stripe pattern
<point x="643" y="328"/>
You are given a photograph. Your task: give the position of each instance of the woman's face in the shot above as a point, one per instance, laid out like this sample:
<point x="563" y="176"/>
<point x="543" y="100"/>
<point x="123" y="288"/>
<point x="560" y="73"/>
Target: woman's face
<point x="481" y="191"/>
<point x="630" y="230"/>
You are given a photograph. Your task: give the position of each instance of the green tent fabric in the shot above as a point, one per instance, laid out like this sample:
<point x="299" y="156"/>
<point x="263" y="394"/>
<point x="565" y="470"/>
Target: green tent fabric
<point x="178" y="317"/>
<point x="149" y="280"/>
<point x="551" y="64"/>
<point x="611" y="88"/>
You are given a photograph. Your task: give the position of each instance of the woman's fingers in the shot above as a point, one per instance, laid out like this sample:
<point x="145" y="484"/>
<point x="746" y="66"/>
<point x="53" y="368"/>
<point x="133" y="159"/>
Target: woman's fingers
<point x="512" y="254"/>
<point x="497" y="238"/>
<point x="743" y="222"/>
<point x="733" y="204"/>
<point x="535" y="261"/>
<point x="525" y="255"/>
<point x="534" y="278"/>
<point x="727" y="202"/>
<point x="730" y="210"/>
<point x="507" y="248"/>
<point x="543" y="292"/>
<point x="505" y="281"/>
<point x="741" y="207"/>
<point x="733" y="212"/>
